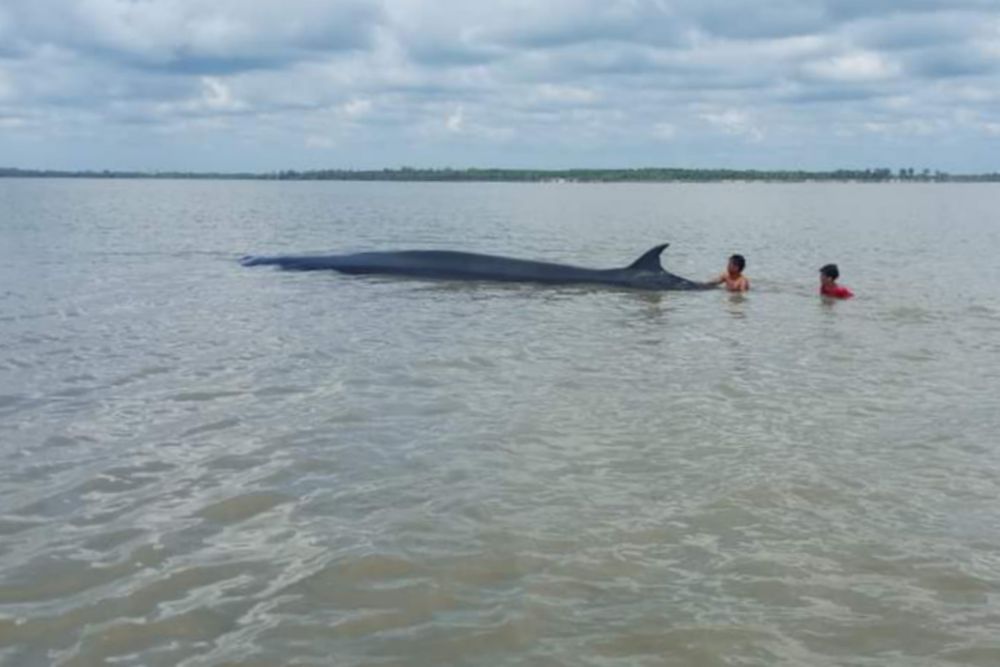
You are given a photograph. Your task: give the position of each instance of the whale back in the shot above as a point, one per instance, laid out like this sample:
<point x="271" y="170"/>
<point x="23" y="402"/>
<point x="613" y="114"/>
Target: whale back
<point x="646" y="272"/>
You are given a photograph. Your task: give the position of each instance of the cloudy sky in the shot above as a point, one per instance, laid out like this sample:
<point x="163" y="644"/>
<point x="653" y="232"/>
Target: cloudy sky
<point x="273" y="84"/>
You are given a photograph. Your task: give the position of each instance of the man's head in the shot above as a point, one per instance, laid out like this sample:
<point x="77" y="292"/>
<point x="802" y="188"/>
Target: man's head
<point x="737" y="263"/>
<point x="829" y="273"/>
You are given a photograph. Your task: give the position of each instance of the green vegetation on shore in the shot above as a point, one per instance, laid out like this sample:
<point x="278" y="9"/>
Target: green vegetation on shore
<point x="642" y="175"/>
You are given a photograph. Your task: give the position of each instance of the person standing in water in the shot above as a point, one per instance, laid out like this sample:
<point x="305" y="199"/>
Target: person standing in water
<point x="828" y="286"/>
<point x="733" y="277"/>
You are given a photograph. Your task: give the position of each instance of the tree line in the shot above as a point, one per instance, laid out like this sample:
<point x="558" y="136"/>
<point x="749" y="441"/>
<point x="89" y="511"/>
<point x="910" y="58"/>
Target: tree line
<point x="637" y="175"/>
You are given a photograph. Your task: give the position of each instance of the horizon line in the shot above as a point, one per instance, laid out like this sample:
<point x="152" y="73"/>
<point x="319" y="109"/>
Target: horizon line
<point x="507" y="174"/>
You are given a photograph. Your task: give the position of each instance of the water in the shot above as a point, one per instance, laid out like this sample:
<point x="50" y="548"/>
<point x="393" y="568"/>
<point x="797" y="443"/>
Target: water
<point x="211" y="465"/>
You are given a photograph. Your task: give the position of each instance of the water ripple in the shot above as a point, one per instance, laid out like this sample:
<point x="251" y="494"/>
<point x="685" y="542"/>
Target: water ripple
<point x="208" y="465"/>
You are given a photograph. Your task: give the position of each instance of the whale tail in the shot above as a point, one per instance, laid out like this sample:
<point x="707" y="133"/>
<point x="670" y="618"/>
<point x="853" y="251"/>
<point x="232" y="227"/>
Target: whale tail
<point x="650" y="260"/>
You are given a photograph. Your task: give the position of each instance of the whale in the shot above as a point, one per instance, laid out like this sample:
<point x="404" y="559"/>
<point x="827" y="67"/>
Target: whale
<point x="645" y="273"/>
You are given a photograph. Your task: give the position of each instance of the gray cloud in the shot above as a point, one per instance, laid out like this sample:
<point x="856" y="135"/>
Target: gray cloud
<point x="920" y="31"/>
<point x="192" y="36"/>
<point x="950" y="62"/>
<point x="745" y="19"/>
<point x="304" y="81"/>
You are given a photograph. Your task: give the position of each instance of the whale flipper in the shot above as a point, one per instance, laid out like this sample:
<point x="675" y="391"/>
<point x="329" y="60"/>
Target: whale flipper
<point x="650" y="260"/>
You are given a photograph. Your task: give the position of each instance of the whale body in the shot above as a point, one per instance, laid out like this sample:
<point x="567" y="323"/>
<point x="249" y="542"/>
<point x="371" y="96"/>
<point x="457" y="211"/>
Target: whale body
<point x="644" y="273"/>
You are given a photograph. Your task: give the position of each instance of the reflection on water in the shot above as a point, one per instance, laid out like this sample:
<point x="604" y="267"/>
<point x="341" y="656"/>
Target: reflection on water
<point x="737" y="305"/>
<point x="206" y="464"/>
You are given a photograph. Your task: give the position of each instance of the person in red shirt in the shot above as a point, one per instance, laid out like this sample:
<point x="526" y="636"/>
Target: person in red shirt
<point x="828" y="283"/>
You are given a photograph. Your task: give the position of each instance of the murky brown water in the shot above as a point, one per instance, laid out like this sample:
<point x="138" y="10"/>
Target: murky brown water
<point x="211" y="465"/>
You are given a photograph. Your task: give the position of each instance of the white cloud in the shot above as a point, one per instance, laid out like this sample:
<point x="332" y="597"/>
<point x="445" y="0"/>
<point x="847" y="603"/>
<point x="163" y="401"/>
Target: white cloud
<point x="356" y="108"/>
<point x="858" y="66"/>
<point x="6" y="87"/>
<point x="320" y="142"/>
<point x="565" y="93"/>
<point x="908" y="127"/>
<point x="12" y="122"/>
<point x="975" y="93"/>
<point x="734" y="122"/>
<point x="456" y="120"/>
<point x="216" y="96"/>
<point x="664" y="131"/>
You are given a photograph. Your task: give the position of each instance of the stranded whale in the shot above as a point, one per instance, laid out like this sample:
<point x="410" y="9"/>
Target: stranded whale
<point x="644" y="273"/>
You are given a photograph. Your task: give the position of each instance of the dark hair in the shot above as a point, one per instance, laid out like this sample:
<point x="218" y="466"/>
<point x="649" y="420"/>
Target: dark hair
<point x="739" y="260"/>
<point x="831" y="271"/>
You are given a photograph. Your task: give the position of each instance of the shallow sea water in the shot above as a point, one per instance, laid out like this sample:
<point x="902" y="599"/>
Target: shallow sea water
<point x="205" y="464"/>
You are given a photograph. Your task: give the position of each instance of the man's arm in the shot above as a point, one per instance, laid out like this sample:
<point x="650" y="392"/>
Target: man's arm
<point x="718" y="280"/>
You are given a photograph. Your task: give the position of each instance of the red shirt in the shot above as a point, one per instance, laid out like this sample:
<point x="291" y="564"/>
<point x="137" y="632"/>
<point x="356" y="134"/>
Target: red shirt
<point x="836" y="291"/>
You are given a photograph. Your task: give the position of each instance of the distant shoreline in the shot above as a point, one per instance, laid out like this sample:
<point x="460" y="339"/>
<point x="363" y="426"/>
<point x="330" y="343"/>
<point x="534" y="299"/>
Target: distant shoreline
<point x="642" y="175"/>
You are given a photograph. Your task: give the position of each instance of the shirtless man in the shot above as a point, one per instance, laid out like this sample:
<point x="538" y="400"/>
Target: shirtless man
<point x="733" y="277"/>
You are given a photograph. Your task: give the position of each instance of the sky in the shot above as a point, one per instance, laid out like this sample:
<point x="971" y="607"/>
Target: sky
<point x="263" y="85"/>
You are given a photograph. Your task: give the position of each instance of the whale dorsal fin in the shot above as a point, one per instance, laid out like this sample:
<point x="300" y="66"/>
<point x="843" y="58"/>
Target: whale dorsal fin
<point x="650" y="260"/>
